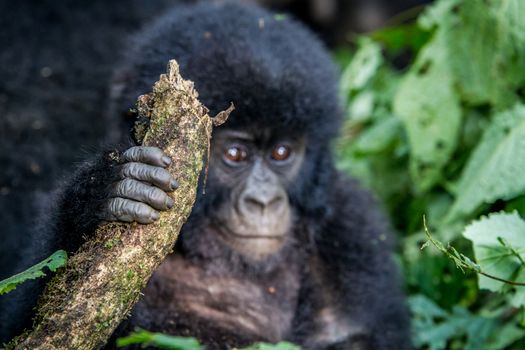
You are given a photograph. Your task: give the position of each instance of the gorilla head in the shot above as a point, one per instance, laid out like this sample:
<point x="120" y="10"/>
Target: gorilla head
<point x="271" y="160"/>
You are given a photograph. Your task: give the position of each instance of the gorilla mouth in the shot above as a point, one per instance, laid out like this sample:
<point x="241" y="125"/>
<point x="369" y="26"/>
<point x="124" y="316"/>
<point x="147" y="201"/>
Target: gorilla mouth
<point x="256" y="236"/>
<point x="253" y="228"/>
<point x="243" y="230"/>
<point x="236" y="234"/>
<point x="252" y="243"/>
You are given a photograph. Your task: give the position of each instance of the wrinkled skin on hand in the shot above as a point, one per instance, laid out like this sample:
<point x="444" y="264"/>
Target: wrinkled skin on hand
<point x="143" y="187"/>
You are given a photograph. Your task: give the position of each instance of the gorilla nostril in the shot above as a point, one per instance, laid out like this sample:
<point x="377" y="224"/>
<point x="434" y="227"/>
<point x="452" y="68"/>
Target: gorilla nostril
<point x="252" y="204"/>
<point x="276" y="202"/>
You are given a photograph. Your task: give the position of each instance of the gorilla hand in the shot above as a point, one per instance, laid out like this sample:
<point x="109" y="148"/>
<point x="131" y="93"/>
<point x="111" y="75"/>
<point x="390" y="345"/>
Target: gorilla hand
<point x="141" y="189"/>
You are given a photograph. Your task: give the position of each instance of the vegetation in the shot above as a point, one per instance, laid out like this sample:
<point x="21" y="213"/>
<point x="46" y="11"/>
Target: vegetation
<point x="436" y="127"/>
<point x="56" y="260"/>
<point x="164" y="341"/>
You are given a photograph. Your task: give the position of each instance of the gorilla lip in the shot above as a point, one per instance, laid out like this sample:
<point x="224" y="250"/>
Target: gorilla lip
<point x="238" y="235"/>
<point x="233" y="233"/>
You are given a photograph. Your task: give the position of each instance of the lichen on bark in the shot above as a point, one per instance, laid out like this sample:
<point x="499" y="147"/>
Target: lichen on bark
<point x="102" y="281"/>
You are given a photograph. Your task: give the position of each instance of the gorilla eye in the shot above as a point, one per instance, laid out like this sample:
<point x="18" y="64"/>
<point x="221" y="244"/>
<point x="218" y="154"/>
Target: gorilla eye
<point x="235" y="154"/>
<point x="281" y="152"/>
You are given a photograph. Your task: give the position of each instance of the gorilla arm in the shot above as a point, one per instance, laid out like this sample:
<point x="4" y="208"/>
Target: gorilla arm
<point x="110" y="188"/>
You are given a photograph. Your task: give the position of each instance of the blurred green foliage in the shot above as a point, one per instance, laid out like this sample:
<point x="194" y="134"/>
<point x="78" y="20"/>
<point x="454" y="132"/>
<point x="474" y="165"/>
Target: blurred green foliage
<point x="164" y="341"/>
<point x="436" y="127"/>
<point x="159" y="340"/>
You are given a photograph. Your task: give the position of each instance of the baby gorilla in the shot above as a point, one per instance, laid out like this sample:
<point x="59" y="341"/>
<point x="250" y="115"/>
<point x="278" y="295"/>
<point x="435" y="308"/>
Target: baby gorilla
<point x="281" y="246"/>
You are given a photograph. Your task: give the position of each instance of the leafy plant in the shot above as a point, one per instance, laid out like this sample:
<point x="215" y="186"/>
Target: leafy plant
<point x="56" y="260"/>
<point x="159" y="340"/>
<point x="499" y="246"/>
<point x="491" y="171"/>
<point x="444" y="137"/>
<point x="434" y="327"/>
<point x="164" y="341"/>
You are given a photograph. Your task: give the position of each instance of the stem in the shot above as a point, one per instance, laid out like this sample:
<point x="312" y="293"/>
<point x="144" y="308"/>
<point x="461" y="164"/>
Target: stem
<point x="463" y="262"/>
<point x="514" y="283"/>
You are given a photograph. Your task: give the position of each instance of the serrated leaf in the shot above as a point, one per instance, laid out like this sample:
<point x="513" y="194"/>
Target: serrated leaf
<point x="493" y="257"/>
<point x="429" y="107"/>
<point x="493" y="171"/>
<point x="55" y="261"/>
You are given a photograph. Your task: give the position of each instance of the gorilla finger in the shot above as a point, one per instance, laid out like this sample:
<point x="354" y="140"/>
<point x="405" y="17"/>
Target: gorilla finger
<point x="121" y="209"/>
<point x="141" y="192"/>
<point x="148" y="155"/>
<point x="155" y="175"/>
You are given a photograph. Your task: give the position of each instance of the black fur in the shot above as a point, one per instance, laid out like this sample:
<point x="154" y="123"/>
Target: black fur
<point x="337" y="271"/>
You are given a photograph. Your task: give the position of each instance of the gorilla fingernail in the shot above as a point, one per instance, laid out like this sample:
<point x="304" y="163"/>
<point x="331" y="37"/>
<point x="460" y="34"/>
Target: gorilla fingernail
<point x="166" y="160"/>
<point x="170" y="203"/>
<point x="174" y="184"/>
<point x="154" y="216"/>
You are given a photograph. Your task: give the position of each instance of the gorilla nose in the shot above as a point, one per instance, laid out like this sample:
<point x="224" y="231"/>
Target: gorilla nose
<point x="262" y="202"/>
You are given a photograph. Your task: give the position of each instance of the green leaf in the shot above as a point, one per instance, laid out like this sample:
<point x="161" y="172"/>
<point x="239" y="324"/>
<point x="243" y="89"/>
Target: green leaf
<point x="361" y="107"/>
<point x="434" y="327"/>
<point x="487" y="50"/>
<point x="436" y="14"/>
<point x="423" y="306"/>
<point x="505" y="336"/>
<point x="159" y="340"/>
<point x="362" y="68"/>
<point x="493" y="170"/>
<point x="170" y="342"/>
<point x="401" y="37"/>
<point x="428" y="105"/>
<point x="55" y="261"/>
<point x="278" y="346"/>
<point x="379" y="136"/>
<point x="499" y="247"/>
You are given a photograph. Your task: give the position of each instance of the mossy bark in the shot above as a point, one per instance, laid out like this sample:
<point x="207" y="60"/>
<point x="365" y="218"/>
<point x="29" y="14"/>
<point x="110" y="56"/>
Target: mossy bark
<point x="83" y="305"/>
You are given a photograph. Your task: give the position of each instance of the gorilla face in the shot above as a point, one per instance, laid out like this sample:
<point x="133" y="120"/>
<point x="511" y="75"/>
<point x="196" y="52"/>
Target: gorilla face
<point x="256" y="169"/>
